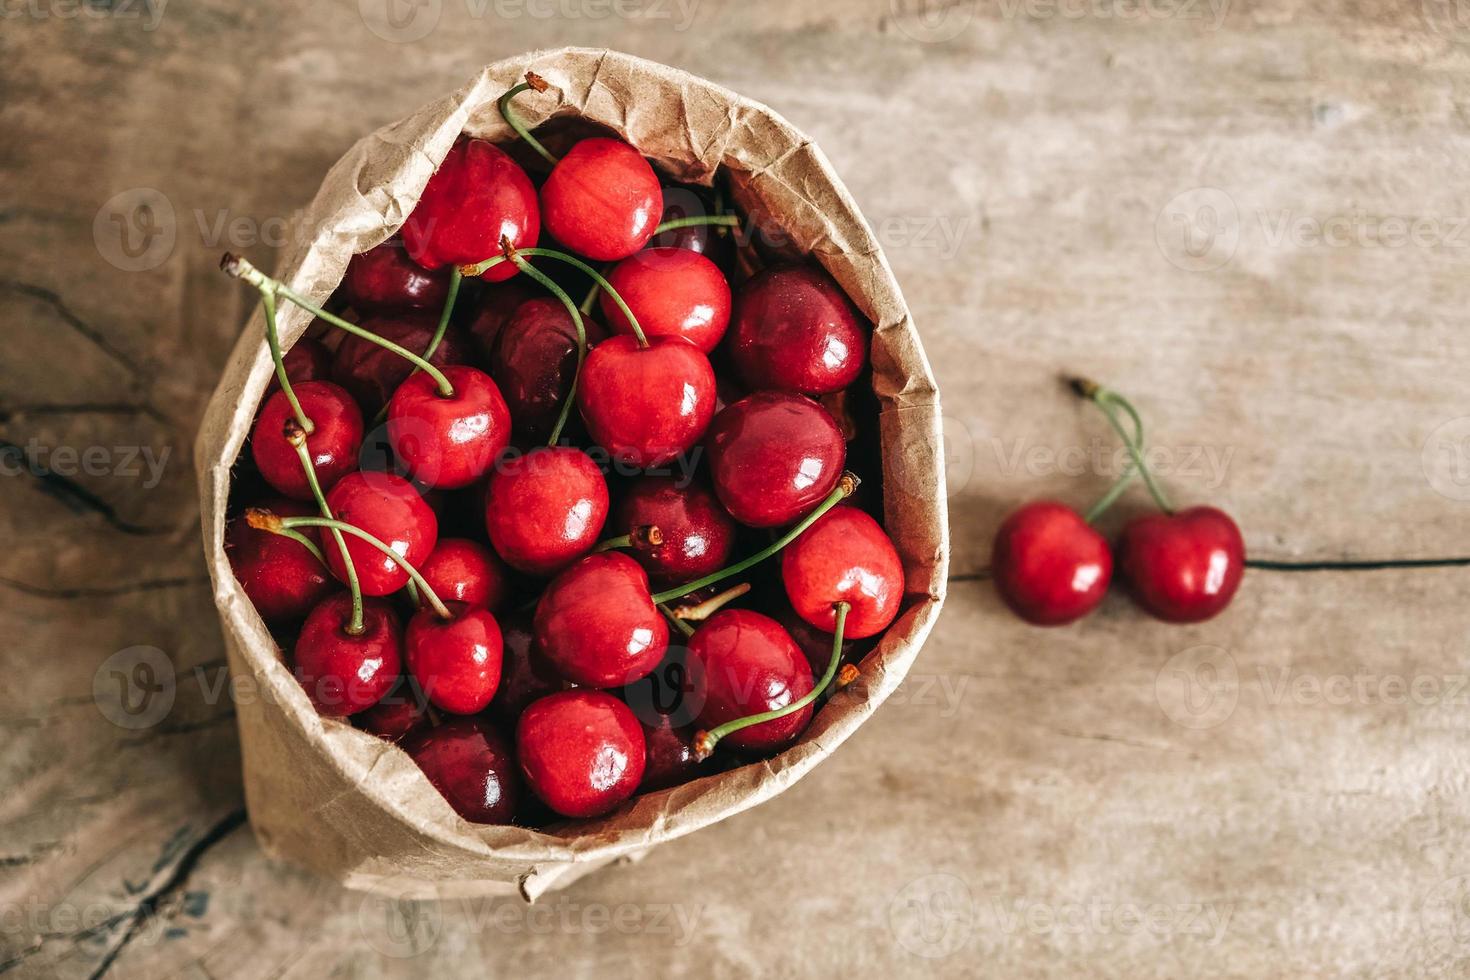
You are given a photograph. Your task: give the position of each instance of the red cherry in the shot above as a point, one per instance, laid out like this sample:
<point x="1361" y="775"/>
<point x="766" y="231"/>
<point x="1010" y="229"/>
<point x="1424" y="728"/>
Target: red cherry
<point x="673" y="292"/>
<point x="535" y="361"/>
<point x="545" y="509"/>
<point x="335" y="438"/>
<point x="525" y="673"/>
<point x="477" y="195"/>
<point x="713" y="243"/>
<point x="697" y="535"/>
<point x="448" y="442"/>
<point x="742" y="663"/>
<point x="473" y="768"/>
<point x="461" y="570"/>
<point x="774" y="457"/>
<point x="581" y="752"/>
<point x="668" y="754"/>
<point x="794" y="329"/>
<point x="597" y="624"/>
<point x="646" y="405"/>
<point x="385" y="278"/>
<point x="602" y="200"/>
<point x="307" y="360"/>
<point x="1182" y="567"/>
<point x="402" y="711"/>
<point x="280" y="577"/>
<point x="455" y="661"/>
<point x="372" y="373"/>
<point x="390" y="509"/>
<point x="497" y="304"/>
<point x="1050" y="566"/>
<point x="844" y="557"/>
<point x="343" y="673"/>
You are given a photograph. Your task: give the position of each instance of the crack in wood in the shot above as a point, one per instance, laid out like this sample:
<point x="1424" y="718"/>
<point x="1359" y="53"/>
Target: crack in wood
<point x="77" y="498"/>
<point x="104" y="592"/>
<point x="86" y="330"/>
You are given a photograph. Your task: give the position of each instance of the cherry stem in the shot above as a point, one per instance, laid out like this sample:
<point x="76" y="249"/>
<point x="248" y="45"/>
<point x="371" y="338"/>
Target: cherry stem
<point x="297" y="439"/>
<point x="1108" y="401"/>
<point x="566" y="301"/>
<point x="533" y="81"/>
<point x="682" y="626"/>
<point x="571" y="260"/>
<point x="455" y="278"/>
<point x="271" y="522"/>
<point x="589" y="299"/>
<point x="1108" y="499"/>
<point x="705" y="742"/>
<point x="845" y="487"/>
<point x="241" y="268"/>
<point x="712" y="605"/>
<point x="639" y="536"/>
<point x="273" y="338"/>
<point x="305" y="542"/>
<point x="696" y="220"/>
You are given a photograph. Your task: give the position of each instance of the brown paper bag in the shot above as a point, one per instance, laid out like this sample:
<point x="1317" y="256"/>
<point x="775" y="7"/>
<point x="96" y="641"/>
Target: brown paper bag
<point x="356" y="808"/>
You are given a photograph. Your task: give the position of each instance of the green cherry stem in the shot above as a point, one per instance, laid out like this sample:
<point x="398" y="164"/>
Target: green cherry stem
<point x="705" y="742"/>
<point x="679" y="624"/>
<point x="297" y="439"/>
<point x="845" y="488"/>
<point x="712" y="605"/>
<point x="1108" y="499"/>
<point x="1108" y="402"/>
<point x="455" y="278"/>
<point x="533" y="81"/>
<point x="241" y="268"/>
<point x="273" y="338"/>
<point x="566" y="301"/>
<point x="639" y="536"/>
<point x="695" y="220"/>
<point x="482" y="267"/>
<point x="306" y="543"/>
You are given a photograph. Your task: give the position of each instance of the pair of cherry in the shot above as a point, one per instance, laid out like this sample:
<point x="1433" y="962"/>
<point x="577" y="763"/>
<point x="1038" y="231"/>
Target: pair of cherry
<point x="1052" y="567"/>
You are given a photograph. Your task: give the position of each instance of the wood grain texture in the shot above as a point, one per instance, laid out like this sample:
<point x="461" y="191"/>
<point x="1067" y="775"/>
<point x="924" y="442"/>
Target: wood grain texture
<point x="1253" y="224"/>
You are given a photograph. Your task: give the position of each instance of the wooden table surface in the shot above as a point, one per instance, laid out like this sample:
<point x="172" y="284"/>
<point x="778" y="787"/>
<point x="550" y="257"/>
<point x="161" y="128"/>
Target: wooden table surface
<point x="1249" y="216"/>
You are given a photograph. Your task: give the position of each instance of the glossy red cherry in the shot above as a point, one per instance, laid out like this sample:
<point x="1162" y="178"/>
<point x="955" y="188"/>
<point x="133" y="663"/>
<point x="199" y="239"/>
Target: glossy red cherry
<point x="602" y="200"/>
<point x="456" y="661"/>
<point x="473" y="768"/>
<point x="794" y="329"/>
<point x="496" y="305"/>
<point x="597" y="624"/>
<point x="1050" y="566"/>
<point x="400" y="712"/>
<point x="646" y="405"/>
<point x="448" y="442"/>
<point x="525" y="673"/>
<point x="343" y="673"/>
<point x="1182" y="567"/>
<point x="461" y="570"/>
<point x="372" y="372"/>
<point x="697" y="535"/>
<point x="668" y="758"/>
<point x="335" y="438"/>
<point x="307" y="360"/>
<point x="673" y="292"/>
<point x="545" y="509"/>
<point x="581" y="752"/>
<point x="535" y="361"/>
<point x="389" y="508"/>
<point x="714" y="243"/>
<point x="742" y="663"/>
<point x="477" y="196"/>
<point x="280" y="577"/>
<point x="773" y="457"/>
<point x="844" y="557"/>
<point x="385" y="278"/>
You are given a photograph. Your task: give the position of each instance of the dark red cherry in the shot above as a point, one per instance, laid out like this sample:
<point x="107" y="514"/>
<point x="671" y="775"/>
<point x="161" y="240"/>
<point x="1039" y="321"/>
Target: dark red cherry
<point x="343" y="673"/>
<point x="1182" y="567"/>
<point x="477" y="196"/>
<point x="794" y="329"/>
<point x="697" y="535"/>
<point x="774" y="457"/>
<point x="525" y="673"/>
<point x="602" y="200"/>
<point x="335" y="438"/>
<point x="456" y="661"/>
<point x="389" y="508"/>
<point x="668" y="754"/>
<point x="673" y="292"/>
<point x="400" y="712"/>
<point x="581" y="752"/>
<point x="742" y="663"/>
<point x="385" y="278"/>
<point x="372" y="372"/>
<point x="1049" y="565"/>
<point x="597" y="624"/>
<point x="535" y="361"/>
<point x="280" y="577"/>
<point x="844" y="557"/>
<point x="461" y="570"/>
<point x="545" y="509"/>
<point x="307" y="360"/>
<point x="496" y="305"/>
<point x="472" y="766"/>
<point x="646" y="405"/>
<point x="714" y="243"/>
<point x="448" y="442"/>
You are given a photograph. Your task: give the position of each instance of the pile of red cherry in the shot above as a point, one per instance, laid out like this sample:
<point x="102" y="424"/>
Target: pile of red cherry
<point x="461" y="564"/>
